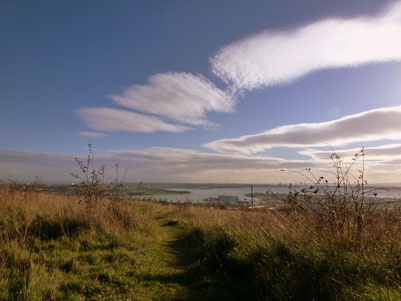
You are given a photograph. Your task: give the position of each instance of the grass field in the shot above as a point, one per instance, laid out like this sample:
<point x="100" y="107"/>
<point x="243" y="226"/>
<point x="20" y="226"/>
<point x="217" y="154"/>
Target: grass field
<point x="53" y="248"/>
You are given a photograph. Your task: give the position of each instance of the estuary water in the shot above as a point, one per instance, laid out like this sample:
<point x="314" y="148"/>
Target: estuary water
<point x="199" y="194"/>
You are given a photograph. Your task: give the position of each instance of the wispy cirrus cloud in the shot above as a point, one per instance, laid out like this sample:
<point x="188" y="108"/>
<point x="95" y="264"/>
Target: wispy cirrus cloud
<point x="265" y="59"/>
<point x="111" y="120"/>
<point x="92" y="134"/>
<point x="371" y="125"/>
<point x="168" y="98"/>
<point x="180" y="96"/>
<point x="276" y="57"/>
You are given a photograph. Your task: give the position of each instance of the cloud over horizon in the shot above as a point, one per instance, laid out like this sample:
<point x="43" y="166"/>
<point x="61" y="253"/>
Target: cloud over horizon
<point x="158" y="164"/>
<point x="276" y="57"/>
<point x="371" y="125"/>
<point x="151" y="164"/>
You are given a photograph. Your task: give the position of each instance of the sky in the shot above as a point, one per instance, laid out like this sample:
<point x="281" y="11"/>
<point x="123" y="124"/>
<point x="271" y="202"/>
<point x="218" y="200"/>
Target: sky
<point x="200" y="91"/>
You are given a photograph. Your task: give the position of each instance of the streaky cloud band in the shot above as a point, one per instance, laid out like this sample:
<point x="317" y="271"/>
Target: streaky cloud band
<point x="272" y="57"/>
<point x="370" y="125"/>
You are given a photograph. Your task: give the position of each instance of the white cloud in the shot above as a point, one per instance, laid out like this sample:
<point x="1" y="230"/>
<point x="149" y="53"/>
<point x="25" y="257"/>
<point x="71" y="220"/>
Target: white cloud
<point x="366" y="126"/>
<point x="183" y="97"/>
<point x="273" y="57"/>
<point x="111" y="120"/>
<point x="92" y="134"/>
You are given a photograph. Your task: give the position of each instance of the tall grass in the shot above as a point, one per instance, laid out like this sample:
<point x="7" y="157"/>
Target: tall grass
<point x="47" y="242"/>
<point x="289" y="254"/>
<point x="51" y="249"/>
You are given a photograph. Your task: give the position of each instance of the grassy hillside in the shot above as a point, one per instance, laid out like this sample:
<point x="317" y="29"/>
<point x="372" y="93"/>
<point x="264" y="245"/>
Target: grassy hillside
<point x="53" y="248"/>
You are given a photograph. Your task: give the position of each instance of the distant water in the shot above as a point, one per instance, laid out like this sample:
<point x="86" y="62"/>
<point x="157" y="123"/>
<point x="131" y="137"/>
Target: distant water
<point x="198" y="195"/>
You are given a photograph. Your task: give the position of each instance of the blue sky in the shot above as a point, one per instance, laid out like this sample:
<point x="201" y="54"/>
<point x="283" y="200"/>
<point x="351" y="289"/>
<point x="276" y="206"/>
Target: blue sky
<point x="186" y="90"/>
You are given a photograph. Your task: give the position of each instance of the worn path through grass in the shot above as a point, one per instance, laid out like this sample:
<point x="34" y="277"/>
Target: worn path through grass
<point x="161" y="276"/>
<point x="73" y="258"/>
<point x="180" y="271"/>
<point x="170" y="267"/>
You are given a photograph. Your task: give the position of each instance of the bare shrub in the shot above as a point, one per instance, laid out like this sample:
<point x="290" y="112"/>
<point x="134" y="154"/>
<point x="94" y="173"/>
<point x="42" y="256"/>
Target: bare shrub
<point x="92" y="191"/>
<point x="344" y="207"/>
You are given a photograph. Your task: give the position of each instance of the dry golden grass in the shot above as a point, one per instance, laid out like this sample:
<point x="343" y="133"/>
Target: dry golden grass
<point x="278" y="252"/>
<point x="301" y="225"/>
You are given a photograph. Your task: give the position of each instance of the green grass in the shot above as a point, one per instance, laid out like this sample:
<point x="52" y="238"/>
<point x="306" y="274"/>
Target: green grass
<point x="285" y="270"/>
<point x="50" y="249"/>
<point x="54" y="257"/>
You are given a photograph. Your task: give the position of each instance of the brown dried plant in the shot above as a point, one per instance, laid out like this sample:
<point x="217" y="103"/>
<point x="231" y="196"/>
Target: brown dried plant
<point x="343" y="207"/>
<point x="92" y="191"/>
